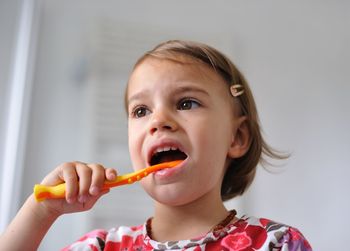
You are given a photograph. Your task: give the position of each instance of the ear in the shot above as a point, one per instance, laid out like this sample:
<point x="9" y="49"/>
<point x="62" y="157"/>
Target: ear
<point x="241" y="139"/>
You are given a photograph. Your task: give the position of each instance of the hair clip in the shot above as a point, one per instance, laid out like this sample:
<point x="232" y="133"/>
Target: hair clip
<point x="236" y="90"/>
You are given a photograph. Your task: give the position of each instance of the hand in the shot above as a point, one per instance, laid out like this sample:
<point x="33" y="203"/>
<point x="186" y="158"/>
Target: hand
<point x="83" y="186"/>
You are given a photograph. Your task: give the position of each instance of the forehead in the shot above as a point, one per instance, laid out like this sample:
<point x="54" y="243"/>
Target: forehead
<point x="157" y="72"/>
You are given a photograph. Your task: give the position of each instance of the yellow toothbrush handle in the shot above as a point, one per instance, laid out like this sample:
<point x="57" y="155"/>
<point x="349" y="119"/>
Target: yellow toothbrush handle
<point x="42" y="192"/>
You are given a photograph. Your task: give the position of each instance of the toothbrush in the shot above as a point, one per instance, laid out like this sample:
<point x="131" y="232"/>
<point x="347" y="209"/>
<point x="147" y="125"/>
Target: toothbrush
<point x="42" y="192"/>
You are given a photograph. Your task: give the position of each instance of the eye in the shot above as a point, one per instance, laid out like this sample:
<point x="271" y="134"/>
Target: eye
<point x="187" y="104"/>
<point x="139" y="112"/>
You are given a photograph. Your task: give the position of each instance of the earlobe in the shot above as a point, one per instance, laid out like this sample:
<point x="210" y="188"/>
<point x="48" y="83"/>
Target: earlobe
<point x="240" y="139"/>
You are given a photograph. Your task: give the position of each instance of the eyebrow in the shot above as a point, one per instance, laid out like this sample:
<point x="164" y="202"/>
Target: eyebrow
<point x="137" y="96"/>
<point x="184" y="89"/>
<point x="177" y="91"/>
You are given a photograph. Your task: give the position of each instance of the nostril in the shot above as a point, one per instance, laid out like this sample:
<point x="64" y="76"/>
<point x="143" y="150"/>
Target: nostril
<point x="164" y="127"/>
<point x="167" y="125"/>
<point x="153" y="130"/>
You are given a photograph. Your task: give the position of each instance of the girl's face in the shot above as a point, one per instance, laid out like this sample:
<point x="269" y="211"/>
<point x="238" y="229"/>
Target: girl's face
<point x="180" y="111"/>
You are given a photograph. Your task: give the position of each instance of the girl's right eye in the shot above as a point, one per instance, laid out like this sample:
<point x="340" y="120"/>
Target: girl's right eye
<point x="139" y="112"/>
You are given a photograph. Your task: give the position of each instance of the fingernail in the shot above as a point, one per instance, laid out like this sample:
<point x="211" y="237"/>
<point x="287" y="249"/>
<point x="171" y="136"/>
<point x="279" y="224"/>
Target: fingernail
<point x="111" y="176"/>
<point x="70" y="200"/>
<point x="82" y="198"/>
<point x="94" y="190"/>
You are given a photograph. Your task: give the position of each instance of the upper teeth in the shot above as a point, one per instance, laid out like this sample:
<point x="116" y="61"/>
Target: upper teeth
<point x="164" y="149"/>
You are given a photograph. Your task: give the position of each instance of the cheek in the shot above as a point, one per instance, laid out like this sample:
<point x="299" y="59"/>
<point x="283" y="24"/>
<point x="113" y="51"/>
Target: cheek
<point x="135" y="144"/>
<point x="212" y="132"/>
<point x="216" y="138"/>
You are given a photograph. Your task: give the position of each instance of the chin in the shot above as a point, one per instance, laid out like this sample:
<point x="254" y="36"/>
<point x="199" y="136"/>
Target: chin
<point x="172" y="196"/>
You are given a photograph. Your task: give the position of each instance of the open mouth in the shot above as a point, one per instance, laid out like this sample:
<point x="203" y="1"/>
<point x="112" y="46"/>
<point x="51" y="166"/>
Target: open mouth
<point x="167" y="154"/>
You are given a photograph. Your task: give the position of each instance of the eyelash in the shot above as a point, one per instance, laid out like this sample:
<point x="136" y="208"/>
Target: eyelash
<point x="193" y="101"/>
<point x="134" y="112"/>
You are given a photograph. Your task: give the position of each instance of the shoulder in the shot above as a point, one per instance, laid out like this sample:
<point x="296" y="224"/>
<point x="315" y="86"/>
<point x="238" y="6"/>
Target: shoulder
<point x="100" y="238"/>
<point x="265" y="234"/>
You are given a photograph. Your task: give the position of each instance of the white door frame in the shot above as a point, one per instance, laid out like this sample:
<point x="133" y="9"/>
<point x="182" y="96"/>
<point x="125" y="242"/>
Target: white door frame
<point x="16" y="109"/>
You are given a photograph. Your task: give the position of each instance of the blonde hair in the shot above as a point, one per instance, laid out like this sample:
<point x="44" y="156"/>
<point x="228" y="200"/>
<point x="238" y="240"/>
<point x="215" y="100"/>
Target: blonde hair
<point x="241" y="171"/>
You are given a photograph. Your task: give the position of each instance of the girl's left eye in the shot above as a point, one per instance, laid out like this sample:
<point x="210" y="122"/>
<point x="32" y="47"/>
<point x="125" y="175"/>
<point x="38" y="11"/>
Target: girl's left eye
<point x="187" y="104"/>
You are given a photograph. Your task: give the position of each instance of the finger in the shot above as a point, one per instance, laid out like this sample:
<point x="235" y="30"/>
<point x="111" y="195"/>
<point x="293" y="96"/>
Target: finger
<point x="69" y="175"/>
<point x="80" y="207"/>
<point x="98" y="178"/>
<point x="90" y="202"/>
<point x="52" y="179"/>
<point x="79" y="162"/>
<point x="84" y="173"/>
<point x="55" y="177"/>
<point x="111" y="174"/>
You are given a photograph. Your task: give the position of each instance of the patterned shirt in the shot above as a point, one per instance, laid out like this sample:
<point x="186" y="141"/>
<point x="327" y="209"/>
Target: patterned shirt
<point x="246" y="234"/>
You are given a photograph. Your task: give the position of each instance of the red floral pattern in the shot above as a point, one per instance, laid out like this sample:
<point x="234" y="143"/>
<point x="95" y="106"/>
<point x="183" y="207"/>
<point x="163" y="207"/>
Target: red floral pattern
<point x="237" y="241"/>
<point x="247" y="234"/>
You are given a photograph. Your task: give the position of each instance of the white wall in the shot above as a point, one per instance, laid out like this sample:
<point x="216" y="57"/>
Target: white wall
<point x="9" y="13"/>
<point x="294" y="54"/>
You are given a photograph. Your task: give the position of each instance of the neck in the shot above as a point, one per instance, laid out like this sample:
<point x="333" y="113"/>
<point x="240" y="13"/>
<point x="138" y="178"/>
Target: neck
<point x="191" y="220"/>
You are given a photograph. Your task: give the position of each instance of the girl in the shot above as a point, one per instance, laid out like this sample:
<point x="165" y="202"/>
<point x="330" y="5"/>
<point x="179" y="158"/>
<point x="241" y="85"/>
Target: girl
<point x="187" y="101"/>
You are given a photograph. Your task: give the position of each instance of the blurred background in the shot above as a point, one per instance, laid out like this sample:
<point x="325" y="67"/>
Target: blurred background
<point x="64" y="66"/>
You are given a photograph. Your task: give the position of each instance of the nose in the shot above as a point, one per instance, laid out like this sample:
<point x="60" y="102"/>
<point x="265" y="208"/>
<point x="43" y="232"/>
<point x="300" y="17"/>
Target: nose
<point x="162" y="120"/>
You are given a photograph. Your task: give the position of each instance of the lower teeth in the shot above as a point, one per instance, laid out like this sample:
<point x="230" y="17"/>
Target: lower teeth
<point x="162" y="171"/>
